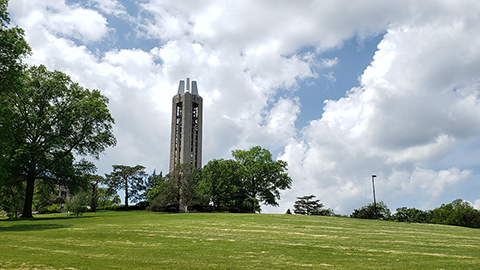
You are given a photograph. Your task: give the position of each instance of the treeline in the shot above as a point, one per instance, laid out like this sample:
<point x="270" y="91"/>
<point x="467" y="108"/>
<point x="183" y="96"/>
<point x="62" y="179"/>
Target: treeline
<point x="456" y="213"/>
<point x="237" y="185"/>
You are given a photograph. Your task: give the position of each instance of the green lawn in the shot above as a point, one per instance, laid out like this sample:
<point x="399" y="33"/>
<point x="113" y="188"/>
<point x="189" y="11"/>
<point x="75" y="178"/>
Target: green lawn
<point x="146" y="240"/>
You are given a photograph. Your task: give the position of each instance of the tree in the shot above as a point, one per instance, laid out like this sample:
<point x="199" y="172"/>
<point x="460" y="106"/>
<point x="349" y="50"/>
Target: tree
<point x="262" y="177"/>
<point x="13" y="48"/>
<point x="457" y="213"/>
<point x="220" y="182"/>
<point x="307" y="205"/>
<point x="368" y="212"/>
<point x="46" y="194"/>
<point x="154" y="185"/>
<point x="177" y="189"/>
<point x="413" y="215"/>
<point x="130" y="179"/>
<point x="94" y="181"/>
<point x="52" y="119"/>
<point x="106" y="197"/>
<point x="11" y="198"/>
<point x="78" y="204"/>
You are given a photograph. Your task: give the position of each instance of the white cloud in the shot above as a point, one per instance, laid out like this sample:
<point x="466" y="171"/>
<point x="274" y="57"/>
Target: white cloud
<point x="330" y="77"/>
<point x="476" y="204"/>
<point x="425" y="181"/>
<point x="329" y="62"/>
<point x="79" y="23"/>
<point x="110" y="7"/>
<point x="281" y="122"/>
<point x="58" y="18"/>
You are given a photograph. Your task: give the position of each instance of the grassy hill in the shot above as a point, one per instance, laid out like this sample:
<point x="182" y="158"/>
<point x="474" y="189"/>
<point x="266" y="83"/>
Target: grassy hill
<point x="146" y="240"/>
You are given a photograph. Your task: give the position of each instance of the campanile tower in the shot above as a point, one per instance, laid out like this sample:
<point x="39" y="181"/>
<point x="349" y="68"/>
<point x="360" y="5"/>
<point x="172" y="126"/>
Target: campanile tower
<point x="187" y="113"/>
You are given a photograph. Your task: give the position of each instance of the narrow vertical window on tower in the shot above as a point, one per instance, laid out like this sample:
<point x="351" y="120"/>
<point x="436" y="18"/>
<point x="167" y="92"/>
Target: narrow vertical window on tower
<point x="178" y="132"/>
<point x="194" y="140"/>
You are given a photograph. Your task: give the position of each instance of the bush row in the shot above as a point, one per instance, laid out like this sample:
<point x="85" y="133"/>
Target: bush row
<point x="456" y="213"/>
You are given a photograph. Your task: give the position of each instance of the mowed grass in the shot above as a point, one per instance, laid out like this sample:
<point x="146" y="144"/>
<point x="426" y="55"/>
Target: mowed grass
<point x="146" y="240"/>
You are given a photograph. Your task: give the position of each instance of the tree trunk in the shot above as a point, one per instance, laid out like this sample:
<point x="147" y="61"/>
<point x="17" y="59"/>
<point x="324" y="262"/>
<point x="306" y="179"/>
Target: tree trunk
<point x="254" y="197"/>
<point x="126" y="194"/>
<point x="27" y="207"/>
<point x="93" y="201"/>
<point x="179" y="195"/>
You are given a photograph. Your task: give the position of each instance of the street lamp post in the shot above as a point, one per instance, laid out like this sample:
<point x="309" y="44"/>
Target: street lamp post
<point x="374" y="199"/>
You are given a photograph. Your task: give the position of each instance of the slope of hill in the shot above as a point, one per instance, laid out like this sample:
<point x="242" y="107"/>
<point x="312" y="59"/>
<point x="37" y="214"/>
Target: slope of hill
<point x="146" y="240"/>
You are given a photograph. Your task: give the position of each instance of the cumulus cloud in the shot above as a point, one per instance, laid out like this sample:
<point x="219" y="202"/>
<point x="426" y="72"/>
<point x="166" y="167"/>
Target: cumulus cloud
<point x="58" y="18"/>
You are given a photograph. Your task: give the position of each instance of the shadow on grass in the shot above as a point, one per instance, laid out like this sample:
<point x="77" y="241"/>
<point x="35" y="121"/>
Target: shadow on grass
<point x="32" y="224"/>
<point x="32" y="227"/>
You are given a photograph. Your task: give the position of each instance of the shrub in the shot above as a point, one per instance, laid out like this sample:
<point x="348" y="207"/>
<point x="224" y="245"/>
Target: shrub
<point x="368" y="212"/>
<point x="412" y="215"/>
<point x="54" y="208"/>
<point x="78" y="205"/>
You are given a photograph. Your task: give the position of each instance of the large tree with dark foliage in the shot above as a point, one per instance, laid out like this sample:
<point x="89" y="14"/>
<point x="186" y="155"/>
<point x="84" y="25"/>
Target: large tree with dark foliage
<point x="13" y="48"/>
<point x="52" y="119"/>
<point x="262" y="177"/>
<point x="130" y="179"/>
<point x="457" y="213"/>
<point x="220" y="182"/>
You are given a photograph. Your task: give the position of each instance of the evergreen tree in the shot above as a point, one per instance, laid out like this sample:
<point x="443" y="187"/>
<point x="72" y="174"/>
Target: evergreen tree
<point x="307" y="205"/>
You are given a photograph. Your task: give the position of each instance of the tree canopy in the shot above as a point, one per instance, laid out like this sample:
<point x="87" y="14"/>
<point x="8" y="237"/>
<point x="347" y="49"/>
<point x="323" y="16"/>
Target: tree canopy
<point x="52" y="119"/>
<point x="130" y="179"/>
<point x="307" y="205"/>
<point x="13" y="48"/>
<point x="413" y="215"/>
<point x="220" y="182"/>
<point x="230" y="185"/>
<point x="457" y="213"/>
<point x="368" y="211"/>
<point x="176" y="191"/>
<point x="262" y="177"/>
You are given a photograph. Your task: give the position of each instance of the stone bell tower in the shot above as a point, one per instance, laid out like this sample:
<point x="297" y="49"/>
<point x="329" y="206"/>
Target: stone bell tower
<point x="187" y="113"/>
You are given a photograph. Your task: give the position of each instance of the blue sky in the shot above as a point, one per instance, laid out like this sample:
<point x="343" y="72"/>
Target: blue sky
<point x="341" y="90"/>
